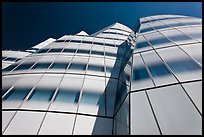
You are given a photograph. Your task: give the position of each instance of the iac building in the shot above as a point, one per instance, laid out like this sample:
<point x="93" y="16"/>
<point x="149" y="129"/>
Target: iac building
<point x="117" y="81"/>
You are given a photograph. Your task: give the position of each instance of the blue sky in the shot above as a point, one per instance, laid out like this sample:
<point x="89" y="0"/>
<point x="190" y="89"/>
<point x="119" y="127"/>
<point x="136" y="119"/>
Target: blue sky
<point x="27" y="24"/>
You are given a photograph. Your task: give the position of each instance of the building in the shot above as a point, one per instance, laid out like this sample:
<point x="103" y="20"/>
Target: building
<point x="115" y="81"/>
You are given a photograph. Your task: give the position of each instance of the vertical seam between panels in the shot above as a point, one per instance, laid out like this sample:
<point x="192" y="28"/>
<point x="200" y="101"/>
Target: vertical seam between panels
<point x="155" y="118"/>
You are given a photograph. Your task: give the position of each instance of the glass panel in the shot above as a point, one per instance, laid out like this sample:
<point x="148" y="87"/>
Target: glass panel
<point x="140" y="73"/>
<point x="179" y="37"/>
<point x="96" y="68"/>
<point x="111" y="45"/>
<point x="159" y="40"/>
<point x="110" y="54"/>
<point x="59" y="41"/>
<point x="146" y="30"/>
<point x="97" y="53"/>
<point x="77" y="66"/>
<point x="69" y="50"/>
<point x="183" y="65"/>
<point x="9" y="68"/>
<point x="41" y="66"/>
<point x="42" y="50"/>
<point x="77" y="41"/>
<point x="92" y="98"/>
<point x="10" y="59"/>
<point x="55" y="50"/>
<point x="17" y="94"/>
<point x="58" y="65"/>
<point x="40" y="94"/>
<point x="87" y="42"/>
<point x="83" y="51"/>
<point x="24" y="66"/>
<point x="142" y="44"/>
<point x="64" y="95"/>
<point x="158" y="70"/>
<point x="161" y="27"/>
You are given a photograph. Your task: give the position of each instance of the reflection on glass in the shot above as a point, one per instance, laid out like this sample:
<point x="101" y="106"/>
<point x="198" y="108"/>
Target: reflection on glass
<point x="9" y="68"/>
<point x="142" y="44"/>
<point x="41" y="66"/>
<point x="41" y="94"/>
<point x="69" y="50"/>
<point x="159" y="40"/>
<point x="158" y="70"/>
<point x="183" y="65"/>
<point x="140" y="74"/>
<point x="77" y="66"/>
<point x="83" y="51"/>
<point x="17" y="94"/>
<point x="146" y="30"/>
<point x="55" y="50"/>
<point x="24" y="66"/>
<point x="97" y="52"/>
<point x="66" y="95"/>
<point x="96" y="68"/>
<point x="42" y="51"/>
<point x="92" y="98"/>
<point x="59" y="65"/>
<point x="177" y="37"/>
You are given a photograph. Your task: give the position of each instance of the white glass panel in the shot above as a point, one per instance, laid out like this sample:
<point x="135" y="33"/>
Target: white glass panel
<point x="93" y="126"/>
<point x="140" y="76"/>
<point x="181" y="64"/>
<point x="142" y="119"/>
<point x="93" y="97"/>
<point x="175" y="112"/>
<point x="161" y="75"/>
<point x="57" y="124"/>
<point x="6" y="118"/>
<point x="194" y="50"/>
<point x="194" y="90"/>
<point x="25" y="123"/>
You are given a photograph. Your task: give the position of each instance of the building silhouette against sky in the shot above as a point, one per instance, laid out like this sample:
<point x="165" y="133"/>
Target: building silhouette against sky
<point x="115" y="81"/>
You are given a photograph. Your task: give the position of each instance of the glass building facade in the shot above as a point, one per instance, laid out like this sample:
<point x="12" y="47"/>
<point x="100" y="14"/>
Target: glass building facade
<point x="115" y="81"/>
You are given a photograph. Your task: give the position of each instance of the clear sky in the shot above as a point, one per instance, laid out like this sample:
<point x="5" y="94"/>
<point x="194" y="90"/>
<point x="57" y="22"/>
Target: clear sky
<point x="27" y="24"/>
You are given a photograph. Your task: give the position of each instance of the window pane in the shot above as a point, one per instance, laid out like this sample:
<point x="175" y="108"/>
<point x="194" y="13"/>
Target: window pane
<point x="161" y="27"/>
<point x="41" y="66"/>
<point x="179" y="37"/>
<point x="64" y="95"/>
<point x="183" y="65"/>
<point x="77" y="66"/>
<point x="42" y="50"/>
<point x="9" y="68"/>
<point x="97" y="53"/>
<point x="158" y="70"/>
<point x="77" y="41"/>
<point x="140" y="73"/>
<point x="55" y="50"/>
<point x="24" y="66"/>
<point x="110" y="54"/>
<point x="91" y="98"/>
<point x="17" y="94"/>
<point x="83" y="51"/>
<point x="10" y="59"/>
<point x="58" y="65"/>
<point x="96" y="68"/>
<point x="142" y="44"/>
<point x="87" y="42"/>
<point x="146" y="30"/>
<point x="69" y="50"/>
<point x="98" y="43"/>
<point x="159" y="41"/>
<point x="40" y="94"/>
<point x="59" y="41"/>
